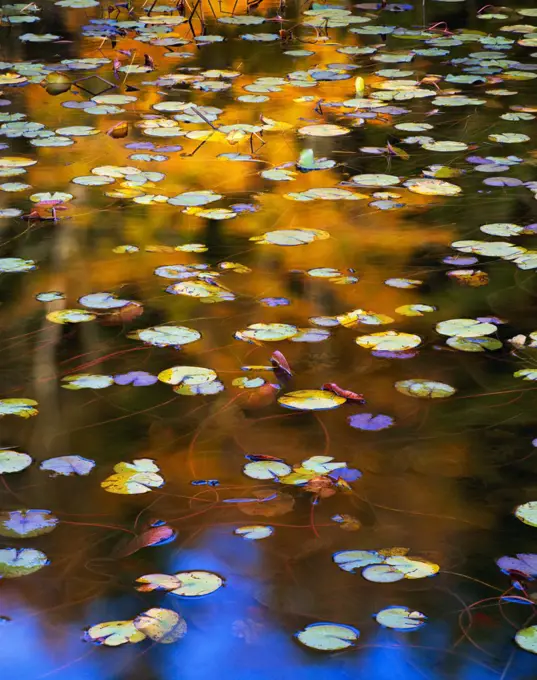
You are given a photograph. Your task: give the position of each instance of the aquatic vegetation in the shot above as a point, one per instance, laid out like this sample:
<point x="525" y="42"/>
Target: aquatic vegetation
<point x="400" y="618"/>
<point x="225" y="204"/>
<point x="328" y="637"/>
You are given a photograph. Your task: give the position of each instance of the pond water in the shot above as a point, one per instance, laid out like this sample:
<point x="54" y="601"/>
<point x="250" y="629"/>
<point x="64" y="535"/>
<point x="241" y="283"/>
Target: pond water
<point x="268" y="327"/>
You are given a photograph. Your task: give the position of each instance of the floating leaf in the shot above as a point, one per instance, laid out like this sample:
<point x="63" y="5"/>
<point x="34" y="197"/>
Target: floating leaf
<point x="67" y="466"/>
<point x="413" y="567"/>
<point x="415" y="309"/>
<point x="509" y="138"/>
<point x="24" y="408"/>
<point x="351" y="319"/>
<point x="400" y="618"/>
<point x="114" y="633"/>
<point x="205" y="291"/>
<point x="474" y="344"/>
<point x="16" y="162"/>
<point x="382" y="573"/>
<point x="432" y="187"/>
<point x="388" y="341"/>
<point x="70" y="316"/>
<point x="367" y="421"/>
<point x="311" y="400"/>
<point x="325" y="130"/>
<point x="450" y="147"/>
<point x="183" y="583"/>
<point x="307" y="162"/>
<point x="161" y="625"/>
<point x="16" y="562"/>
<point x="465" y="328"/>
<point x="187" y="375"/>
<point x="254" y="532"/>
<point x="526" y="639"/>
<point x="206" y="388"/>
<point x="351" y="560"/>
<point x="403" y="283"/>
<point x="26" y="523"/>
<point x="266" y="469"/>
<point x="523" y="563"/>
<point x="328" y="637"/>
<point x="424" y="389"/>
<point x="50" y="296"/>
<point x="11" y="265"/>
<point x="375" y="180"/>
<point x="527" y="513"/>
<point x="87" y="381"/>
<point x="102" y="301"/>
<point x="13" y="461"/>
<point x="268" y="332"/>
<point x="291" y="237"/>
<point x="137" y="477"/>
<point x="195" y="198"/>
<point x="310" y="335"/>
<point x="526" y="374"/>
<point x="168" y="336"/>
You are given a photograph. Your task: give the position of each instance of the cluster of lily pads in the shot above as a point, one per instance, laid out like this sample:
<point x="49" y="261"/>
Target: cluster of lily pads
<point x="389" y="86"/>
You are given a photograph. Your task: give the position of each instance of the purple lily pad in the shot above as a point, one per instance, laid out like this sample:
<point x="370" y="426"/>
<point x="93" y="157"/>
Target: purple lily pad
<point x="385" y="354"/>
<point x="79" y="105"/>
<point x="502" y="182"/>
<point x="461" y="260"/>
<point x="244" y="207"/>
<point x="477" y="160"/>
<point x="275" y="302"/>
<point x="140" y="146"/>
<point x="170" y="148"/>
<point x="367" y="421"/>
<point x="346" y="474"/>
<point x="490" y="319"/>
<point x="135" y="378"/>
<point x="525" y="563"/>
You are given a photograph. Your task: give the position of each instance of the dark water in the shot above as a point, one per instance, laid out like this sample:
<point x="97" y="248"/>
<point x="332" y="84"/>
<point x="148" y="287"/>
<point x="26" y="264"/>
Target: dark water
<point x="440" y="480"/>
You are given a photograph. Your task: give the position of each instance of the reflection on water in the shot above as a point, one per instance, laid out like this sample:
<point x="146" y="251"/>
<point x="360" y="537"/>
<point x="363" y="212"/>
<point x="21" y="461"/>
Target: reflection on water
<point x="439" y="477"/>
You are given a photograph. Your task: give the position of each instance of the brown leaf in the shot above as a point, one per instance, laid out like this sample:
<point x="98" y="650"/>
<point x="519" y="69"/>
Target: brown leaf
<point x="279" y="504"/>
<point x="350" y="396"/>
<point x="153" y="536"/>
<point x="118" y="130"/>
<point x="123" y="315"/>
<point x="322" y="486"/>
<point x="260" y="397"/>
<point x="279" y="361"/>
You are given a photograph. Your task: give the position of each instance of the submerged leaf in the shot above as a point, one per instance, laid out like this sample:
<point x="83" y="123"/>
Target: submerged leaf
<point x="161" y="625"/>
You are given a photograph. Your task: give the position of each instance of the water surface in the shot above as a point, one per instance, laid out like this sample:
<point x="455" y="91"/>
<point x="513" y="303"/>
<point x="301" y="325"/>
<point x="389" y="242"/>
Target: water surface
<point x="440" y="477"/>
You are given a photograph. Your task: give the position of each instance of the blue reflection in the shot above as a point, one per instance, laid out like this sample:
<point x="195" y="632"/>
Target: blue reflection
<point x="26" y="653"/>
